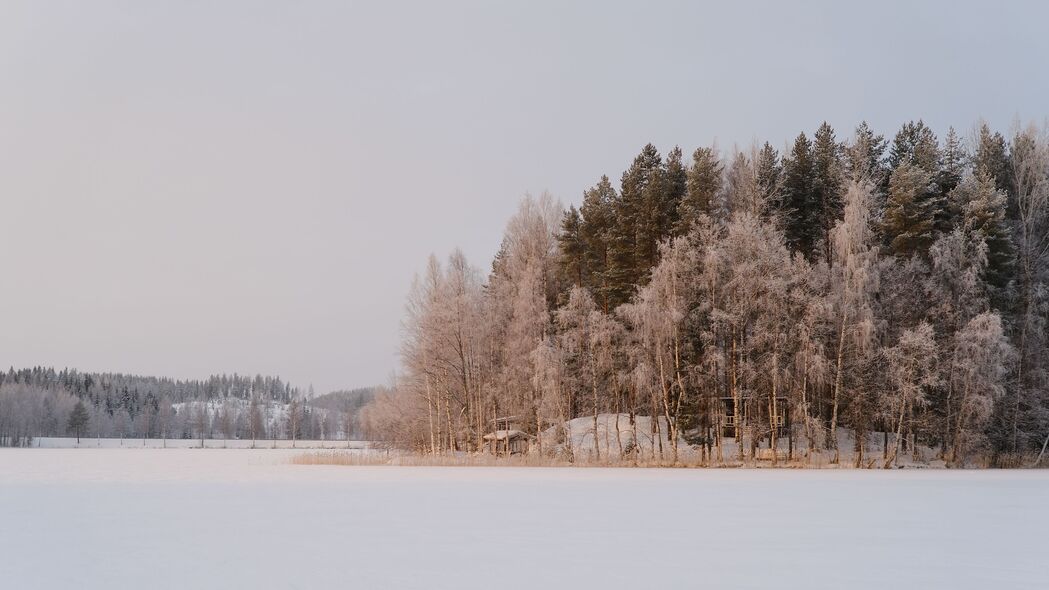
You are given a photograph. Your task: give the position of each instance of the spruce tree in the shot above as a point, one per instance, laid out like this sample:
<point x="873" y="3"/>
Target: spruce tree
<point x="798" y="205"/>
<point x="676" y="187"/>
<point x="704" y="186"/>
<point x="827" y="184"/>
<point x="770" y="173"/>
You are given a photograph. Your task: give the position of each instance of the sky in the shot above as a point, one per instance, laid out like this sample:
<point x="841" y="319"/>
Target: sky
<point x="190" y="188"/>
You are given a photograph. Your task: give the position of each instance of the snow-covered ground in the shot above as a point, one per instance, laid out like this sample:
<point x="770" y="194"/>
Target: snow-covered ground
<point x="65" y="442"/>
<point x="235" y="518"/>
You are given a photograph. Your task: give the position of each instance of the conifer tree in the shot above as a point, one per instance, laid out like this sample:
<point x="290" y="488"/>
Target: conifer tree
<point x="992" y="158"/>
<point x="595" y="233"/>
<point x="915" y="144"/>
<point x="798" y="206"/>
<point x="954" y="162"/>
<point x="704" y="188"/>
<point x="676" y="187"/>
<point x="770" y="181"/>
<point x="981" y="210"/>
<point x="827" y="183"/>
<point x="572" y="248"/>
<point x="865" y="157"/>
<point x="633" y="238"/>
<point x="77" y="419"/>
<point x="909" y="219"/>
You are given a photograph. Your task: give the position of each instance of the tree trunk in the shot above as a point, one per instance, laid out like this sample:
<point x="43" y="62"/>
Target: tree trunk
<point x="736" y="402"/>
<point x="837" y="390"/>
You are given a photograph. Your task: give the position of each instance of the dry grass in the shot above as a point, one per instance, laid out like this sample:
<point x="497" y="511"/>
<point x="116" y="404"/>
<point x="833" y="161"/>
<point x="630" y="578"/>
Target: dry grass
<point x="408" y="459"/>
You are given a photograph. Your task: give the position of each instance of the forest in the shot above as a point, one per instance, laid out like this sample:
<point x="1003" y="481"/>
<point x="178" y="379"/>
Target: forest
<point x="42" y="401"/>
<point x="857" y="299"/>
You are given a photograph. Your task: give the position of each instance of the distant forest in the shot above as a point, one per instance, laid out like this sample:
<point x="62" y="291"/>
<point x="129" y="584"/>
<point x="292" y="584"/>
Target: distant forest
<point x="40" y="402"/>
<point x="842" y="293"/>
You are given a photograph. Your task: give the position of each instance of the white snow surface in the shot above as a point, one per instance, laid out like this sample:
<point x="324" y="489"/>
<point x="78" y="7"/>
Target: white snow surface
<point x="238" y="518"/>
<point x="65" y="442"/>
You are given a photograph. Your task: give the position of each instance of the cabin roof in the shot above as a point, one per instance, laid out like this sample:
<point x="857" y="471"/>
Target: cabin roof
<point x="506" y="434"/>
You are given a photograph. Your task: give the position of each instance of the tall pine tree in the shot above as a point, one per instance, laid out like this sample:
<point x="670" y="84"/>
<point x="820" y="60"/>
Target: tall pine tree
<point x="704" y="184"/>
<point x="798" y="207"/>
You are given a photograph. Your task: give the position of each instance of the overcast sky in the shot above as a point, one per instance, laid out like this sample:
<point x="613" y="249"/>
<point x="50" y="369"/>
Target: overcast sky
<point x="191" y="188"/>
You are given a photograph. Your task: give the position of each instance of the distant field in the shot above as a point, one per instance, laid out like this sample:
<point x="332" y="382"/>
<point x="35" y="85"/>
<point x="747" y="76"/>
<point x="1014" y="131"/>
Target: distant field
<point x="188" y="443"/>
<point x="186" y="518"/>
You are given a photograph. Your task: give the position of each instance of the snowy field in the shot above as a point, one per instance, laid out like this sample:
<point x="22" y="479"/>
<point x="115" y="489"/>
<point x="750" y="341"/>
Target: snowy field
<point x="65" y="442"/>
<point x="213" y="518"/>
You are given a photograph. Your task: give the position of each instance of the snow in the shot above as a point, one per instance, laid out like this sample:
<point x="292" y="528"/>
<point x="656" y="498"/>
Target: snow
<point x="581" y="431"/>
<point x="63" y="442"/>
<point x="236" y="518"/>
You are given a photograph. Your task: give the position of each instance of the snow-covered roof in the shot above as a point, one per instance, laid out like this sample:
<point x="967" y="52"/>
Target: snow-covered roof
<point x="505" y="434"/>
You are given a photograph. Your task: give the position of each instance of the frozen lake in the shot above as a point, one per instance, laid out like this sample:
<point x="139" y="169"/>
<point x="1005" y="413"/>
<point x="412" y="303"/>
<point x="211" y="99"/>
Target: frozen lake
<point x="237" y="518"/>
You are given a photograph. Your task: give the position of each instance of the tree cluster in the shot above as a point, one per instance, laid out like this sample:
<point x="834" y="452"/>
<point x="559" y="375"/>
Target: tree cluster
<point x="41" y="401"/>
<point x="841" y="293"/>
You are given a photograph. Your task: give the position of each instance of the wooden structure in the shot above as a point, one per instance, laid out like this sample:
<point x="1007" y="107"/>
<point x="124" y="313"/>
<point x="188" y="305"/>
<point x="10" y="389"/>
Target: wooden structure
<point x="507" y="442"/>
<point x="729" y="427"/>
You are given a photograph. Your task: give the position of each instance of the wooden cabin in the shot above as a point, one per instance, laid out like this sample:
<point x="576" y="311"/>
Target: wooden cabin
<point x="507" y="442"/>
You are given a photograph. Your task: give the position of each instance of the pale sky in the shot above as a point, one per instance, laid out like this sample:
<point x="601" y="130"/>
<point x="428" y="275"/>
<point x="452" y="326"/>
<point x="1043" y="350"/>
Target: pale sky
<point x="189" y="188"/>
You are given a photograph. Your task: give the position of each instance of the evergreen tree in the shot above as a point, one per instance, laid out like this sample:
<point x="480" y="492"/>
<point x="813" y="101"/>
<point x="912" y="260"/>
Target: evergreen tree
<point x="910" y="214"/>
<point x="827" y="183"/>
<point x="770" y="172"/>
<point x="799" y="208"/>
<point x="954" y="162"/>
<point x="981" y="208"/>
<point x="77" y="419"/>
<point x="865" y="157"/>
<point x="572" y="248"/>
<point x="992" y="159"/>
<point x="595" y="232"/>
<point x="705" y="180"/>
<point x="915" y="144"/>
<point x="676" y="187"/>
<point x="635" y="235"/>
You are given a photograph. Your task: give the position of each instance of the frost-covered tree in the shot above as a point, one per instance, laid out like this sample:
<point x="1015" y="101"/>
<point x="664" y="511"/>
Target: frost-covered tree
<point x="978" y="376"/>
<point x="909" y="221"/>
<point x="704" y="188"/>
<point x="912" y="371"/>
<point x="854" y="280"/>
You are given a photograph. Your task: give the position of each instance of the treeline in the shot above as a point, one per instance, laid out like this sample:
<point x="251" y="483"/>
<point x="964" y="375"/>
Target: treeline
<point x="752" y="299"/>
<point x="40" y="401"/>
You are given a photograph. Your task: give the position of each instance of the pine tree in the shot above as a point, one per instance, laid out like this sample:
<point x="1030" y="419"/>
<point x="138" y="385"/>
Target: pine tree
<point x="572" y="248"/>
<point x="798" y="206"/>
<point x="915" y="144"/>
<point x="910" y="215"/>
<point x="865" y="157"/>
<point x="954" y="162"/>
<point x="992" y="159"/>
<point x="77" y="419"/>
<point x="827" y="183"/>
<point x="981" y="208"/>
<point x="595" y="233"/>
<point x="634" y="235"/>
<point x="676" y="187"/>
<point x="770" y="172"/>
<point x="704" y="188"/>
